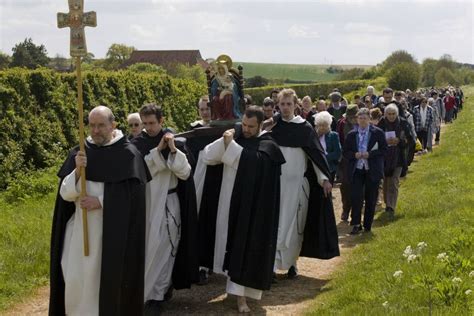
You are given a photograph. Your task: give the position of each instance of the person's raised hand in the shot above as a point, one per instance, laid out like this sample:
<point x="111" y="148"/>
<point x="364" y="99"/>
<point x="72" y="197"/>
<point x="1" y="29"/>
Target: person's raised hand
<point x="228" y="136"/>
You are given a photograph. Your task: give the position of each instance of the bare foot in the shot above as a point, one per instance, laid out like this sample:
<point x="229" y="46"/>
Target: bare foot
<point x="242" y="304"/>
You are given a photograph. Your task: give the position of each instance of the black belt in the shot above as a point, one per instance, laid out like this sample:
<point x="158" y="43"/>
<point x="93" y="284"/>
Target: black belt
<point x="172" y="191"/>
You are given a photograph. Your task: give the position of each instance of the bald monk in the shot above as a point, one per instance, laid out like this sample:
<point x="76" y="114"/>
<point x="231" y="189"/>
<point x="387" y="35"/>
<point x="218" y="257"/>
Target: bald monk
<point x="110" y="281"/>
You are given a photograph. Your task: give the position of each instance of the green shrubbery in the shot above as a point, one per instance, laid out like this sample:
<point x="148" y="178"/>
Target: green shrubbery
<point x="315" y="90"/>
<point x="38" y="116"/>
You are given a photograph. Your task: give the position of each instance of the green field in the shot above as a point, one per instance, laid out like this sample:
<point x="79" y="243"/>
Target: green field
<point x="435" y="207"/>
<point x="315" y="73"/>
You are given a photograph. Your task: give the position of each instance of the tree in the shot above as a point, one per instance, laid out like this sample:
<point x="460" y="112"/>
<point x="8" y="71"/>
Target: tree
<point x="27" y="54"/>
<point x="445" y="76"/>
<point x="447" y="62"/>
<point x="5" y="61"/>
<point x="428" y="70"/>
<point x="404" y="76"/>
<point x="351" y="74"/>
<point x="185" y="71"/>
<point x="397" y="57"/>
<point x="116" y="55"/>
<point x="257" y="81"/>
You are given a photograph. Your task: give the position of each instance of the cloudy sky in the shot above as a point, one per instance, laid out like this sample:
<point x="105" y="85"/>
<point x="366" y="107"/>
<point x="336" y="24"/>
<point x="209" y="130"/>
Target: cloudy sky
<point x="303" y="32"/>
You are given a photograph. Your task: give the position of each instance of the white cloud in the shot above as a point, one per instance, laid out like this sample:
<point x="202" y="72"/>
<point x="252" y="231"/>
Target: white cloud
<point x="302" y="31"/>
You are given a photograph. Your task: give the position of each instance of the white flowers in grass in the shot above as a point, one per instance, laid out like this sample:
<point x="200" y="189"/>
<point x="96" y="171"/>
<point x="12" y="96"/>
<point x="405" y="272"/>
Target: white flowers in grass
<point x="456" y="280"/>
<point x="411" y="258"/>
<point x="471" y="274"/>
<point x="442" y="256"/>
<point x="385" y="304"/>
<point x="421" y="245"/>
<point x="398" y="274"/>
<point x="407" y="252"/>
<point x="468" y="292"/>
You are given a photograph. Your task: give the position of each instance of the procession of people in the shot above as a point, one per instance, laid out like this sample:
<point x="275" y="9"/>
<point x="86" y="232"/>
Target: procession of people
<point x="247" y="202"/>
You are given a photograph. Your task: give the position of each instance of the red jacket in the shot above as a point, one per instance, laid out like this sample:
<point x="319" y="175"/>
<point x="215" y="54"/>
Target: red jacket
<point x="449" y="102"/>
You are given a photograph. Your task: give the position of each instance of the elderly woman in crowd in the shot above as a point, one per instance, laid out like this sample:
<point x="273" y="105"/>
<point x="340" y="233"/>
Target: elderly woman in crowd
<point x="399" y="140"/>
<point x="329" y="140"/>
<point x="135" y="125"/>
<point x="423" y="117"/>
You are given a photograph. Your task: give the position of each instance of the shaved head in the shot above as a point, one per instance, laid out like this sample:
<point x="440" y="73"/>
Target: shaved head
<point x="101" y="124"/>
<point x="102" y="111"/>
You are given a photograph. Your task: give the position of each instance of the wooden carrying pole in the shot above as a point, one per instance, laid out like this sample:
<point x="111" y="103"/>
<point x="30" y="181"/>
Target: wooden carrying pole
<point x="80" y="109"/>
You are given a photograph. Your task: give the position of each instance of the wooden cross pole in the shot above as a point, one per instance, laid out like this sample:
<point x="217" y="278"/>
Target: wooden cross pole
<point x="76" y="20"/>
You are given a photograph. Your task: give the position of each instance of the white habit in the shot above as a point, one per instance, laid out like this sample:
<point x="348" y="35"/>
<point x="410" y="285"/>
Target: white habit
<point x="293" y="204"/>
<point x="82" y="274"/>
<point x="216" y="153"/>
<point x="163" y="224"/>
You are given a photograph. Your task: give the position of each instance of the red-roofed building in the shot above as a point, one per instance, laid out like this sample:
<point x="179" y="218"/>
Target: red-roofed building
<point x="166" y="58"/>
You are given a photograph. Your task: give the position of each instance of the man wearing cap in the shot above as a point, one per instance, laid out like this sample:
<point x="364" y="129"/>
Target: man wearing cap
<point x="336" y="109"/>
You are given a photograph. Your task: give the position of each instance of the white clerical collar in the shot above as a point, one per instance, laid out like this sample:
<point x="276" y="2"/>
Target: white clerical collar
<point x="296" y="119"/>
<point x="116" y="136"/>
<point x="262" y="132"/>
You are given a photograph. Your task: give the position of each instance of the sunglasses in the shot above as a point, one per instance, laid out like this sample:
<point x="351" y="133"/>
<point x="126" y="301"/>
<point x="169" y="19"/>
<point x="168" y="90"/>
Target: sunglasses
<point x="134" y="125"/>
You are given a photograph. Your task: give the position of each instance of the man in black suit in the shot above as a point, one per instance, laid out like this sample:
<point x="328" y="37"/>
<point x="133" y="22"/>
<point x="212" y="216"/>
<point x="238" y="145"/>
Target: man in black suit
<point x="364" y="148"/>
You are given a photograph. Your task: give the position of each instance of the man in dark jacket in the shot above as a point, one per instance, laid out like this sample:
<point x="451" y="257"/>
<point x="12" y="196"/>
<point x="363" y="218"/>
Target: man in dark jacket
<point x="365" y="149"/>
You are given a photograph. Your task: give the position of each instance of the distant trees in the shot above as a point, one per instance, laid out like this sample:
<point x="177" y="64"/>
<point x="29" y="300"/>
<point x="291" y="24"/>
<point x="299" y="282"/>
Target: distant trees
<point x="403" y="76"/>
<point x="5" y="61"/>
<point x="395" y="58"/>
<point x="116" y="55"/>
<point x="27" y="54"/>
<point x="257" y="81"/>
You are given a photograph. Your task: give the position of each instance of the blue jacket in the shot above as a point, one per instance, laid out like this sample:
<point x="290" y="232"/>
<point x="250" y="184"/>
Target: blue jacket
<point x="333" y="149"/>
<point x="376" y="154"/>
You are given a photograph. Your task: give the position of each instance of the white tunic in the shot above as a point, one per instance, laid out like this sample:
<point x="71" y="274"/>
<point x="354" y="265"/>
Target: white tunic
<point x="82" y="274"/>
<point x="293" y="204"/>
<point x="163" y="220"/>
<point x="213" y="154"/>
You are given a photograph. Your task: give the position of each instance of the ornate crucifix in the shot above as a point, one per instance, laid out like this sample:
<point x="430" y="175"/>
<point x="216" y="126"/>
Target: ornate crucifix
<point x="76" y="20"/>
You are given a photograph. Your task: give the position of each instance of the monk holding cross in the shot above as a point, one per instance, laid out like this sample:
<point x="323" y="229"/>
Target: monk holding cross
<point x="109" y="279"/>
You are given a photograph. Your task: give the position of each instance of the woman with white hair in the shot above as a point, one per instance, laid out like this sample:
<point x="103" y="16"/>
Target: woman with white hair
<point x="329" y="141"/>
<point x="399" y="140"/>
<point x="135" y="125"/>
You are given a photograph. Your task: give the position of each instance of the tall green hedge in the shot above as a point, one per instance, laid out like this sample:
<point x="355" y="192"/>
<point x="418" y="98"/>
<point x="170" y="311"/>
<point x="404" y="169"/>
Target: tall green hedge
<point x="317" y="89"/>
<point x="38" y="116"/>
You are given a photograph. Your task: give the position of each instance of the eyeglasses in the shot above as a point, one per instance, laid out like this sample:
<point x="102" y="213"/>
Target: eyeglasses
<point x="133" y="124"/>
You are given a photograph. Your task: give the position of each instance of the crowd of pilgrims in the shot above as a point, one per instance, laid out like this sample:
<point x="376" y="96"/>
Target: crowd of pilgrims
<point x="165" y="212"/>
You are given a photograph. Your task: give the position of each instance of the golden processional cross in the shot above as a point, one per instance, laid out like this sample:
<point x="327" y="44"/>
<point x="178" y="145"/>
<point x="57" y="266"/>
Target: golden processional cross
<point x="76" y="20"/>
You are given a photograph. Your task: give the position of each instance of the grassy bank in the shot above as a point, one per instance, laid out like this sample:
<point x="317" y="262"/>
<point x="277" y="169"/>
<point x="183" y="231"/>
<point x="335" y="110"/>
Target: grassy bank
<point x="436" y="207"/>
<point x="25" y="221"/>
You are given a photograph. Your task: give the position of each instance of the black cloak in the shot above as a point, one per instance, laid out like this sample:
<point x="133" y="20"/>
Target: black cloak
<point x="186" y="264"/>
<point x="254" y="213"/>
<point x="123" y="171"/>
<point x="320" y="238"/>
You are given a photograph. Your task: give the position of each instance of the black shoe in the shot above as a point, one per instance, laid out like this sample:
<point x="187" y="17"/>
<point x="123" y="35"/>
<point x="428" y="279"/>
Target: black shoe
<point x="391" y="213"/>
<point x="367" y="230"/>
<point x="274" y="278"/>
<point x="203" y="278"/>
<point x="345" y="216"/>
<point x="356" y="230"/>
<point x="169" y="294"/>
<point x="152" y="308"/>
<point x="292" y="273"/>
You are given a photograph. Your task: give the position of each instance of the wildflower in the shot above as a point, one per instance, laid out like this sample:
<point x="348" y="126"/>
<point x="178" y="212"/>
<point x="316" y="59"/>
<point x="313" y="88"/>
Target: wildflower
<point x="422" y="245"/>
<point x="468" y="292"/>
<point x="456" y="280"/>
<point x="385" y="304"/>
<point x="442" y="256"/>
<point x="408" y="251"/>
<point x="471" y="274"/>
<point x="411" y="258"/>
<point x="398" y="274"/>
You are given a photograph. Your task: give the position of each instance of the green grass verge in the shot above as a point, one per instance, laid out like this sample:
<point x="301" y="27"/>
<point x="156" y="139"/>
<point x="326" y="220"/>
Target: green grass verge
<point x="314" y="73"/>
<point x="25" y="226"/>
<point x="436" y="206"/>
